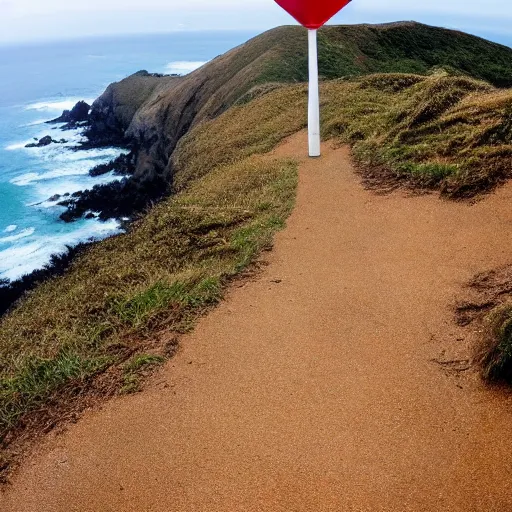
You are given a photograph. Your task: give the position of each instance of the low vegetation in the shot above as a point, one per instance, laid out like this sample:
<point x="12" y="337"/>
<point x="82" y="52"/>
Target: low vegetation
<point x="486" y="306"/>
<point x="436" y="132"/>
<point x="494" y="352"/>
<point x="445" y="132"/>
<point x="155" y="112"/>
<point x="136" y="369"/>
<point x="403" y="47"/>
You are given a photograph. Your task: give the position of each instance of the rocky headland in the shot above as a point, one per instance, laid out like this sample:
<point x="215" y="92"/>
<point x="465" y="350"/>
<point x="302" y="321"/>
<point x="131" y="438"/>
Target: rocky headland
<point x="75" y="117"/>
<point x="149" y="114"/>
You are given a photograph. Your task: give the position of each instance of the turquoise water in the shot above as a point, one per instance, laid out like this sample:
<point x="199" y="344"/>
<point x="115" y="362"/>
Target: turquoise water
<point x="36" y="84"/>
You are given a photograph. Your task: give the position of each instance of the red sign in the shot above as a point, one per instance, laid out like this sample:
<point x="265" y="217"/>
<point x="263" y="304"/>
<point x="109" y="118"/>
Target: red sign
<point x="312" y="13"/>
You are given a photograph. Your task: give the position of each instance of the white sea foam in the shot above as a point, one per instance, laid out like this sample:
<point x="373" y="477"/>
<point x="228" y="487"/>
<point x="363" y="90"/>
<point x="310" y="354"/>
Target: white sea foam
<point x="31" y="177"/>
<point x="35" y="123"/>
<point x="23" y="258"/>
<point x="94" y="156"/>
<point x="56" y="105"/>
<point x="73" y="137"/>
<point x="183" y="67"/>
<point x="25" y="179"/>
<point x="42" y="190"/>
<point x="60" y="154"/>
<point x="22" y="234"/>
<point x="65" y="171"/>
<point x="53" y="169"/>
<point x="70" y="164"/>
<point x="18" y="145"/>
<point x="74" y="176"/>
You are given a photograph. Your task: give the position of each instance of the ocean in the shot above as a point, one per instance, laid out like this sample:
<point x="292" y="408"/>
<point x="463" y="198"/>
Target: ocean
<point x="37" y="82"/>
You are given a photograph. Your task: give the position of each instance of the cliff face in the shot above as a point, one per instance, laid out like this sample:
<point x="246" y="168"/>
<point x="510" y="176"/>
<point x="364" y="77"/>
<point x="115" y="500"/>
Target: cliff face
<point x="113" y="112"/>
<point x="154" y="112"/>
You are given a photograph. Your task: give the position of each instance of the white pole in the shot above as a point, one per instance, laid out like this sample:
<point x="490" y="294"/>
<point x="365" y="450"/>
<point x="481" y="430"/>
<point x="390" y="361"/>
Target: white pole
<point x="314" y="97"/>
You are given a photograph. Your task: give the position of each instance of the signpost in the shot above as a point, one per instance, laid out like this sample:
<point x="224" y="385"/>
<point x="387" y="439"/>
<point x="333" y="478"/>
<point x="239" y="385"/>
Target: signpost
<point x="313" y="14"/>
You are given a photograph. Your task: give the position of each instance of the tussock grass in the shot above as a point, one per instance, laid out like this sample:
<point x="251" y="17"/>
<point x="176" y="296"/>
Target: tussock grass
<point x="424" y="132"/>
<point x="494" y="352"/>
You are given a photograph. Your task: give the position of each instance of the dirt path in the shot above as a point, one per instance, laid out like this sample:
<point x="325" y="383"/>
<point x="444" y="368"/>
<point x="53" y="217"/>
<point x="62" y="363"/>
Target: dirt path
<point x="313" y="387"/>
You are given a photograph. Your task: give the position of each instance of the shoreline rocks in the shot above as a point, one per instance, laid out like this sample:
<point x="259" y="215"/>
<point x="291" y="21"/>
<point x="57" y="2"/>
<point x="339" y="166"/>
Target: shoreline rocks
<point x="142" y="181"/>
<point x="123" y="165"/>
<point x="76" y="116"/>
<point x="122" y="198"/>
<point x="45" y="141"/>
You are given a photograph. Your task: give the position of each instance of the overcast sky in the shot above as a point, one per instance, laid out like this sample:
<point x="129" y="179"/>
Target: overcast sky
<point x="28" y="20"/>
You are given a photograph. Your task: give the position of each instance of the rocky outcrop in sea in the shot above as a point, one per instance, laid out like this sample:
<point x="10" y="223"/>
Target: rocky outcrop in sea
<point x="75" y="117"/>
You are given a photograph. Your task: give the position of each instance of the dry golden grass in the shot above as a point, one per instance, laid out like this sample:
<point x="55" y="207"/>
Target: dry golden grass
<point x="255" y="127"/>
<point x="444" y="132"/>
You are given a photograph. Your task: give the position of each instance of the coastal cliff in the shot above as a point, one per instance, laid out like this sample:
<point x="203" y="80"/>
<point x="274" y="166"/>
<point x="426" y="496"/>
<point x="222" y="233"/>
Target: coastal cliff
<point x="421" y="107"/>
<point x="151" y="113"/>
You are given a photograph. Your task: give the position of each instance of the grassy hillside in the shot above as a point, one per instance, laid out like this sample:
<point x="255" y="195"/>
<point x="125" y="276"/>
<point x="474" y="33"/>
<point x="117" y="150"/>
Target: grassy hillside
<point x="440" y="132"/>
<point x="116" y="313"/>
<point x="96" y="330"/>
<point x="449" y="133"/>
<point x="404" y="47"/>
<point x="152" y="113"/>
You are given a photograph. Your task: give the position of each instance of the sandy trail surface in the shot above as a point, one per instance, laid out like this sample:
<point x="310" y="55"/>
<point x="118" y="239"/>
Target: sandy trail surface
<point x="314" y="387"/>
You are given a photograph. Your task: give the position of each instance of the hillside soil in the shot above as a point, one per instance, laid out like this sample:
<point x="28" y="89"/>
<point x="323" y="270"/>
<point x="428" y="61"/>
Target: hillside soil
<point x="335" y="380"/>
